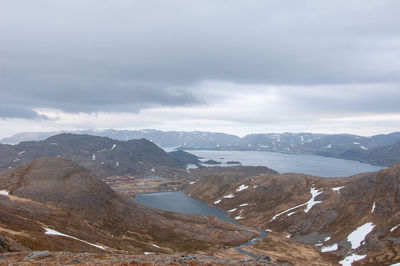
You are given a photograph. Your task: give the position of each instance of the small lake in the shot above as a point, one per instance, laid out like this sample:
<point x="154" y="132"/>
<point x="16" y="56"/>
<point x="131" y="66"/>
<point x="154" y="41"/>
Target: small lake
<point x="290" y="163"/>
<point x="177" y="201"/>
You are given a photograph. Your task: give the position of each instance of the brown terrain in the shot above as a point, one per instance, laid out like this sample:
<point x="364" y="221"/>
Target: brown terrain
<point x="309" y="219"/>
<point x="58" y="194"/>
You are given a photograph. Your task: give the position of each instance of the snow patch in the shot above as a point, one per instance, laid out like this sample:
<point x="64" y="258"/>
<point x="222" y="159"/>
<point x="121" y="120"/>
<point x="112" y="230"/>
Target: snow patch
<point x="373" y="207"/>
<point x="93" y="157"/>
<point x="117" y="163"/>
<point x="310" y="204"/>
<point x="291" y="213"/>
<point x="192" y="182"/>
<point x="234" y="209"/>
<point x="337" y="189"/>
<point x="357" y="236"/>
<point x="56" y="233"/>
<point x="149" y="253"/>
<point x="21" y="152"/>
<point x="229" y="196"/>
<point x="328" y="146"/>
<point x="153" y="169"/>
<point x="364" y="148"/>
<point x="288" y="210"/>
<point x="394" y="228"/>
<point x="356" y="143"/>
<point x="238" y="217"/>
<point x="217" y="201"/>
<point x="327" y="238"/>
<point x="331" y="248"/>
<point x="154" y="245"/>
<point x="242" y="187"/>
<point x="351" y="258"/>
<point x="4" y="192"/>
<point x="113" y="147"/>
<point x="255" y="186"/>
<point x="243" y="205"/>
<point x="268" y="230"/>
<point x="312" y="201"/>
<point x="288" y="236"/>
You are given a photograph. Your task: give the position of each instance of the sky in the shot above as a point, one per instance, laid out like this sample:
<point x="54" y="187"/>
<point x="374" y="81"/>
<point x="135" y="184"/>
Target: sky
<point x="225" y="66"/>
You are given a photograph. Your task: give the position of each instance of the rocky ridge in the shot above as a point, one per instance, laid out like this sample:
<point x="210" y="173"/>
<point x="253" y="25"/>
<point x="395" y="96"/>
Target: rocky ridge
<point x="338" y="218"/>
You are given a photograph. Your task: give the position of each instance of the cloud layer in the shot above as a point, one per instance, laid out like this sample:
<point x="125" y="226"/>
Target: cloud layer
<point x="306" y="59"/>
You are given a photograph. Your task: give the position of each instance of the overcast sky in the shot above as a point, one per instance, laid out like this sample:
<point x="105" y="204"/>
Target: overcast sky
<point x="230" y="66"/>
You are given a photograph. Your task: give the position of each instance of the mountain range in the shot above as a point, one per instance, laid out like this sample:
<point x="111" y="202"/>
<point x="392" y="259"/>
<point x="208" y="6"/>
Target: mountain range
<point x="380" y="149"/>
<point x="52" y="197"/>
<point x="101" y="155"/>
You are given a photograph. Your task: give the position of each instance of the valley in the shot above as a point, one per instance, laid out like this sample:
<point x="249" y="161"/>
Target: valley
<point x="199" y="133"/>
<point x="263" y="217"/>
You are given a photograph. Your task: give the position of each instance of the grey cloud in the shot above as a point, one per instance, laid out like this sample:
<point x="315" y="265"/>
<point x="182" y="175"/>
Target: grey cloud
<point x="10" y="111"/>
<point x="88" y="56"/>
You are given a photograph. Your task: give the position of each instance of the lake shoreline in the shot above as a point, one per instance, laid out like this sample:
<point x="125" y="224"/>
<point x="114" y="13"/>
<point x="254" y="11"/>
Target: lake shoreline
<point x="226" y="218"/>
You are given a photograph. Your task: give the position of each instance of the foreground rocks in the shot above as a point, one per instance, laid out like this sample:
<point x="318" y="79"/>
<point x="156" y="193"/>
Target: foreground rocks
<point x="67" y="258"/>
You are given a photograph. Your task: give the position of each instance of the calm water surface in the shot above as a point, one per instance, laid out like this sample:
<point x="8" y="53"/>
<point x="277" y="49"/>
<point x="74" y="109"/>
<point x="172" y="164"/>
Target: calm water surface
<point x="177" y="201"/>
<point x="290" y="163"/>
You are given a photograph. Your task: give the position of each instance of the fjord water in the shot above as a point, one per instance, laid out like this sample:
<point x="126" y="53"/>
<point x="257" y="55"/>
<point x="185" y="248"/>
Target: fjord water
<point x="290" y="163"/>
<point x="177" y="201"/>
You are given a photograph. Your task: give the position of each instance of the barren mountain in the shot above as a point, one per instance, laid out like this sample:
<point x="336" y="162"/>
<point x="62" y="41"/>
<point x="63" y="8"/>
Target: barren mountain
<point x="103" y="156"/>
<point x="342" y="218"/>
<point x="57" y="205"/>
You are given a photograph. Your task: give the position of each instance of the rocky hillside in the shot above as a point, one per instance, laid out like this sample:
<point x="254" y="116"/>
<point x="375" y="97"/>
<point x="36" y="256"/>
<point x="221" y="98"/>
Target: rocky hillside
<point x="345" y="219"/>
<point x="54" y="204"/>
<point x="185" y="157"/>
<point x="103" y="156"/>
<point x="380" y="156"/>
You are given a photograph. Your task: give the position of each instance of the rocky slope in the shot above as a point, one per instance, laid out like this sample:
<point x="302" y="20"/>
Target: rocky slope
<point x="341" y="218"/>
<point x="103" y="156"/>
<point x="54" y="204"/>
<point x="185" y="157"/>
<point x="380" y="156"/>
